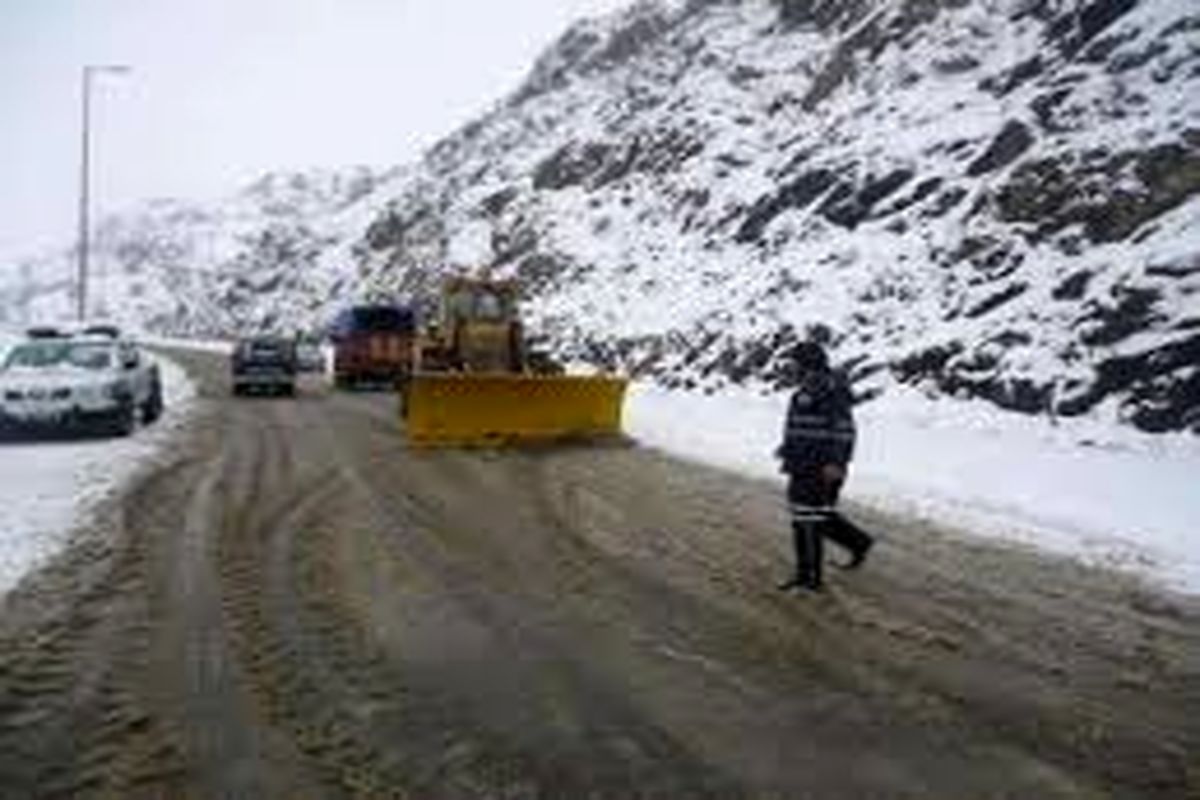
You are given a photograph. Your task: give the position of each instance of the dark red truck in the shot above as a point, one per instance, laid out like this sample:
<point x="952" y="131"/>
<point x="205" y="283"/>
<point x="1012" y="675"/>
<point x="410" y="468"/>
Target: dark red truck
<point x="372" y="345"/>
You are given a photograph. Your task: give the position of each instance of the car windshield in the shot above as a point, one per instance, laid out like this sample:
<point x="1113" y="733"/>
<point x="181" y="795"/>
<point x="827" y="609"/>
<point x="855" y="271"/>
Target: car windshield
<point x="43" y="355"/>
<point x="265" y="349"/>
<point x="379" y="319"/>
<point x="90" y="356"/>
<point x="373" y="319"/>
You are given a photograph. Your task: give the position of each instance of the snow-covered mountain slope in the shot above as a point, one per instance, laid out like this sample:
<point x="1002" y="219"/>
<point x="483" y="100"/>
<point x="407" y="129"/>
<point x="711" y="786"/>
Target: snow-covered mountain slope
<point x="988" y="198"/>
<point x="996" y="199"/>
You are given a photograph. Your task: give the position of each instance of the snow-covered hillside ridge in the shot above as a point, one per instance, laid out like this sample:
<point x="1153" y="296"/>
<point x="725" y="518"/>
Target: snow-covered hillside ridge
<point x="997" y="199"/>
<point x="994" y="199"/>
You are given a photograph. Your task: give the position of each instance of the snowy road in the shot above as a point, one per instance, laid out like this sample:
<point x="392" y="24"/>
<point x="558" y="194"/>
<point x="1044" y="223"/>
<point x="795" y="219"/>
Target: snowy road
<point x="293" y="604"/>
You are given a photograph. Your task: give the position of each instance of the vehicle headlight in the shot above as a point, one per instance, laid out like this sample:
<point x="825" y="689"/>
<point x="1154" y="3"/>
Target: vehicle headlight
<point x="13" y="395"/>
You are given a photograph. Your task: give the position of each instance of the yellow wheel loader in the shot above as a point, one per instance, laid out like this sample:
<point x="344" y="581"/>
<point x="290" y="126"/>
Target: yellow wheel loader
<point x="475" y="382"/>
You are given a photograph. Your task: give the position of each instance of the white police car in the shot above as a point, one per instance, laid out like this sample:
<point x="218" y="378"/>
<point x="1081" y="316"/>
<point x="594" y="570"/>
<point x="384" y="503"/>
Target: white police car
<point x="92" y="382"/>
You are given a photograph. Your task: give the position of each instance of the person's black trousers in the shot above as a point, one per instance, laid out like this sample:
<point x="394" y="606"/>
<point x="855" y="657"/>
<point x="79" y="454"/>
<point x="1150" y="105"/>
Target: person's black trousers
<point x="813" y="502"/>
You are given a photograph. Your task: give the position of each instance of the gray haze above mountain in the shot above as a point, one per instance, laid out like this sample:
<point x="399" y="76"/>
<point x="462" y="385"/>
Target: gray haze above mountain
<point x="223" y="90"/>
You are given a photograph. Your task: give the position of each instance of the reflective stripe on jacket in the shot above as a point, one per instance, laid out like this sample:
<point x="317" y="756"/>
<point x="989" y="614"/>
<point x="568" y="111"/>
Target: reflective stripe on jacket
<point x="820" y="424"/>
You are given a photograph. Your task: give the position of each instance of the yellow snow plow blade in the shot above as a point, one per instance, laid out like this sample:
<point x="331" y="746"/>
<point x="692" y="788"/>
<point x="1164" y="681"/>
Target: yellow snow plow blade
<point x="477" y="410"/>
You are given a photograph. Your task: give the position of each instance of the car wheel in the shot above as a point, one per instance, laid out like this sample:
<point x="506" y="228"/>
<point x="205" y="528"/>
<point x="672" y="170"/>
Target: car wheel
<point x="124" y="420"/>
<point x="153" y="407"/>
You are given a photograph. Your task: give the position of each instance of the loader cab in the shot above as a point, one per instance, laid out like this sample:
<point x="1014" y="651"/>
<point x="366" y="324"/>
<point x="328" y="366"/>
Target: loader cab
<point x="479" y="302"/>
<point x="480" y="330"/>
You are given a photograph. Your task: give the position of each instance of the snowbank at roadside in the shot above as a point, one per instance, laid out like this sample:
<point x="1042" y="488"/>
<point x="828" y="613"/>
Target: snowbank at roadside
<point x="220" y="346"/>
<point x="48" y="487"/>
<point x="1099" y="492"/>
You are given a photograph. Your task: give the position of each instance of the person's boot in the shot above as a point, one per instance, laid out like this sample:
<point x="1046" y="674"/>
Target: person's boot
<point x="807" y="541"/>
<point x="859" y="556"/>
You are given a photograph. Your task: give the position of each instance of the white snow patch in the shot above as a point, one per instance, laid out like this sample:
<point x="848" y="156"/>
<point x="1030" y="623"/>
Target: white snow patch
<point x="218" y="346"/>
<point x="1103" y="494"/>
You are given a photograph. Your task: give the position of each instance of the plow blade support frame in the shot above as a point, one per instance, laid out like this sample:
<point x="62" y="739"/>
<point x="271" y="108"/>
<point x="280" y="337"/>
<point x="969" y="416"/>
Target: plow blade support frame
<point x="479" y="410"/>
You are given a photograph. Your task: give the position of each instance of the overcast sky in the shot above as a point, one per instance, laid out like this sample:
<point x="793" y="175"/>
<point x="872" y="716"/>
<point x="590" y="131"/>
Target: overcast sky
<point x="222" y="90"/>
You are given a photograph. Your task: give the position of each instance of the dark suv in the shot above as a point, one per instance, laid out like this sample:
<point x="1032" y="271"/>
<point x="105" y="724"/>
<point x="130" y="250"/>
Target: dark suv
<point x="264" y="364"/>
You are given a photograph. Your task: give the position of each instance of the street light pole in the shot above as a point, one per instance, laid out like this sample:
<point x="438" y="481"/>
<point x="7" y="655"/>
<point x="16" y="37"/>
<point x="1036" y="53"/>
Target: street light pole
<point x="82" y="252"/>
<point x="84" y="177"/>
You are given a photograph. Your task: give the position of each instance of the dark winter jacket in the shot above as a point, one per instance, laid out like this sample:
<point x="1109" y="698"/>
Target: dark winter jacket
<point x="820" y="423"/>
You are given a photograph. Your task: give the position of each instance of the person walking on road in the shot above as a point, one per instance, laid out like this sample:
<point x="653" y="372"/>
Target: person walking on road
<point x="818" y="442"/>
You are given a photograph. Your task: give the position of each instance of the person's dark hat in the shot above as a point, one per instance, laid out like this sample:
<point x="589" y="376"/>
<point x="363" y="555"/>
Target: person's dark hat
<point x="810" y="355"/>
